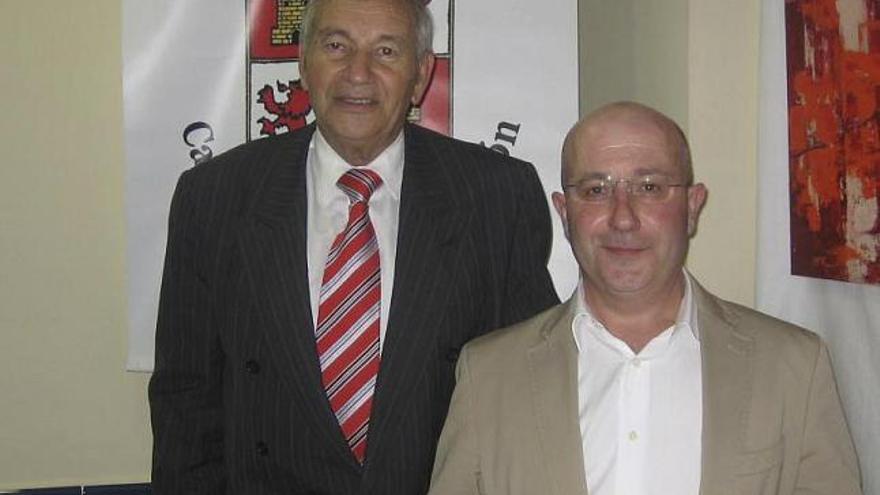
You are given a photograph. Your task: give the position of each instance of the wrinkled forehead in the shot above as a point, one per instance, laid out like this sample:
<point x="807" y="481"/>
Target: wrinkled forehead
<point x="367" y="10"/>
<point x="622" y="148"/>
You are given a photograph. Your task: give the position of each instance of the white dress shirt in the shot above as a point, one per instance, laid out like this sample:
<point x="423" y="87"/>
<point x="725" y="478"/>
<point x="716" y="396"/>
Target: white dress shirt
<point x="640" y="414"/>
<point x="328" y="214"/>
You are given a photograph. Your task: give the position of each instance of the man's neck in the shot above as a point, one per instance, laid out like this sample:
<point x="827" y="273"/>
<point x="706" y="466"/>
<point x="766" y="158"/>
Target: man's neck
<point x="637" y="318"/>
<point x="356" y="154"/>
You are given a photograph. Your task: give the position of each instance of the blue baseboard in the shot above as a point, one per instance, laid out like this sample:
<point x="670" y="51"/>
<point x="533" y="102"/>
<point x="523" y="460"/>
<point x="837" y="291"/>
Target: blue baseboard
<point x="130" y="489"/>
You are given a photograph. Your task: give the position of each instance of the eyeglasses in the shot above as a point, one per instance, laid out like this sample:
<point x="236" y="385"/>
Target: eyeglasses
<point x="642" y="188"/>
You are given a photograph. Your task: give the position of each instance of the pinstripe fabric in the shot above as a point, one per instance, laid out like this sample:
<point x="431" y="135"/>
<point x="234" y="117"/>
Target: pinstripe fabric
<point x="237" y="399"/>
<point x="347" y="332"/>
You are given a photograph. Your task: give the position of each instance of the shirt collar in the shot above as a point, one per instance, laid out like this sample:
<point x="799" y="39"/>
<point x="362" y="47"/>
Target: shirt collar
<point x="328" y="167"/>
<point x="686" y="318"/>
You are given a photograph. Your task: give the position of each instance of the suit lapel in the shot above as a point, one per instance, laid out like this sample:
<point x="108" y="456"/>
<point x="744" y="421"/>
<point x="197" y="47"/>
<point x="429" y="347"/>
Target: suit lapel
<point x="273" y="250"/>
<point x="553" y="372"/>
<point x="727" y="383"/>
<point x="430" y="219"/>
<point x="727" y="355"/>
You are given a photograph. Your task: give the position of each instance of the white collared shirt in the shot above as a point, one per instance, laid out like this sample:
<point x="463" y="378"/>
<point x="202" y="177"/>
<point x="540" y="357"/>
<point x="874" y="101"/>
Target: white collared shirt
<point x="640" y="414"/>
<point x="328" y="214"/>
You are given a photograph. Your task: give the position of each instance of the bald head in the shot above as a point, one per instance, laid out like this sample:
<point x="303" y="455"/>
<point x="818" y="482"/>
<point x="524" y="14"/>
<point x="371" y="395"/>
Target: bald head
<point x="620" y="126"/>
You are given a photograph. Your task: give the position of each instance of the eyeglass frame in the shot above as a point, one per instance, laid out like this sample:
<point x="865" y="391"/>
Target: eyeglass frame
<point x="630" y="181"/>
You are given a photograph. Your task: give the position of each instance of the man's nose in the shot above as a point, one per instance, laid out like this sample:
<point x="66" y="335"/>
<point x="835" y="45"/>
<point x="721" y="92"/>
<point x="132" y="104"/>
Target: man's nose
<point x="623" y="213"/>
<point x="360" y="66"/>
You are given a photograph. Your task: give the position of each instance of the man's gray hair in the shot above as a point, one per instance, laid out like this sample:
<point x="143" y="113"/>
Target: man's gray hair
<point x="421" y="16"/>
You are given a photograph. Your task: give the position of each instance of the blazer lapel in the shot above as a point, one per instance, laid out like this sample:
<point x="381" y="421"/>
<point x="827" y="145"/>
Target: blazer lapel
<point x="553" y="371"/>
<point x="430" y="219"/>
<point x="727" y="384"/>
<point x="273" y="250"/>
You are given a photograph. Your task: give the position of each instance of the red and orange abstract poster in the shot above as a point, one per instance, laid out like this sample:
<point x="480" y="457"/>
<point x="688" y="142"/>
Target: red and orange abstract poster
<point x="833" y="58"/>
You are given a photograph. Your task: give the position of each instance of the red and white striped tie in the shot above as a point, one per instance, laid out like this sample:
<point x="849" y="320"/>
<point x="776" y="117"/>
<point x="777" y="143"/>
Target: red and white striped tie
<point x="347" y="332"/>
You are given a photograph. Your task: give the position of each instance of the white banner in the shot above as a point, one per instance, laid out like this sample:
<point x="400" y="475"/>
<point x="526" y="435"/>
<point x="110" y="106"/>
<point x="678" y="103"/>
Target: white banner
<point x="846" y="315"/>
<point x="202" y="76"/>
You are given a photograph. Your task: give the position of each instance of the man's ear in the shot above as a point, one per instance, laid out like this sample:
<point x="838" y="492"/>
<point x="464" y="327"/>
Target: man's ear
<point x="559" y="206"/>
<point x="697" y="194"/>
<point x="423" y="77"/>
<point x="302" y="75"/>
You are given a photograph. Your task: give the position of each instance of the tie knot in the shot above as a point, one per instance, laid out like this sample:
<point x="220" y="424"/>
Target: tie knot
<point x="359" y="184"/>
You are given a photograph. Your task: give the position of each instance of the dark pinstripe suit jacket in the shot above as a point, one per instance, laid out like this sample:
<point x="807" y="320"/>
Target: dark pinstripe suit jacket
<point x="236" y="398"/>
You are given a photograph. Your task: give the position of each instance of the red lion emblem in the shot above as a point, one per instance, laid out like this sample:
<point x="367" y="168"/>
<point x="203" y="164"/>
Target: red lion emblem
<point x="290" y="113"/>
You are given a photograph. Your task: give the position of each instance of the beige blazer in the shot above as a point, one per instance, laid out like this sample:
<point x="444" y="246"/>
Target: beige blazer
<point x="772" y="420"/>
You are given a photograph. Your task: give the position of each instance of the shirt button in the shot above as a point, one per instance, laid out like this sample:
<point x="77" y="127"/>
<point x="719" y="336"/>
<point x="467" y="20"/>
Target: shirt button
<point x="636" y="362"/>
<point x="633" y="436"/>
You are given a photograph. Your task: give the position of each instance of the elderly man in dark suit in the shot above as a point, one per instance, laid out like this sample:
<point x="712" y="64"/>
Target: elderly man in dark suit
<point x="318" y="285"/>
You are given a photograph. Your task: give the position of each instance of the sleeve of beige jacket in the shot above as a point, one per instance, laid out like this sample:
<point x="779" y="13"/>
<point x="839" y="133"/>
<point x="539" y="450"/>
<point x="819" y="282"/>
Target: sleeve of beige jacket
<point x="457" y="465"/>
<point x="828" y="461"/>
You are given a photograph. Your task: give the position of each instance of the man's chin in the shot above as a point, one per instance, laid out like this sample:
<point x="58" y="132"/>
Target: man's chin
<point x="350" y="133"/>
<point x="626" y="281"/>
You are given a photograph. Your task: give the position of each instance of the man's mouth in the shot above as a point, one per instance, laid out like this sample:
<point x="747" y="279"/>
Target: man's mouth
<point x="356" y="101"/>
<point x="623" y="250"/>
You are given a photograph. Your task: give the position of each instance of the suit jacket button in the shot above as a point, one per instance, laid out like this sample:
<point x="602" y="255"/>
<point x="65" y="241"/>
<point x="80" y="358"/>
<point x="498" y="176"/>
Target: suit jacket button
<point x="262" y="449"/>
<point x="252" y="366"/>
<point x="452" y="354"/>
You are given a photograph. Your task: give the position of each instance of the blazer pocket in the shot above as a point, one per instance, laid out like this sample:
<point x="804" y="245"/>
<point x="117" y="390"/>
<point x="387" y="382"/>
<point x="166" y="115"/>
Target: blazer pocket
<point x="759" y="461"/>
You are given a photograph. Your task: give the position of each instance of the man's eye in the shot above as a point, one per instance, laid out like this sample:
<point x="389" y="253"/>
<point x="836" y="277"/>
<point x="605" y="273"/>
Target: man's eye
<point x="334" y="46"/>
<point x="387" y="51"/>
<point x="594" y="190"/>
<point x="650" y="188"/>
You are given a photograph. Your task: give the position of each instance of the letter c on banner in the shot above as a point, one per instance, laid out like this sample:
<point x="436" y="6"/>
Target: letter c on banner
<point x="196" y="135"/>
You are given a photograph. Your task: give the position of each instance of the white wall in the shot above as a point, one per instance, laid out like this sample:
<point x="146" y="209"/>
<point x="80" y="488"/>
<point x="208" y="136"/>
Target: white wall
<point x="722" y="126"/>
<point x="70" y="414"/>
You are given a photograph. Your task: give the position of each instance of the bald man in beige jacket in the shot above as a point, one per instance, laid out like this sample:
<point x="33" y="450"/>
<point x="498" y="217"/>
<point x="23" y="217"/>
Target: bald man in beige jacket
<point x="771" y="417"/>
